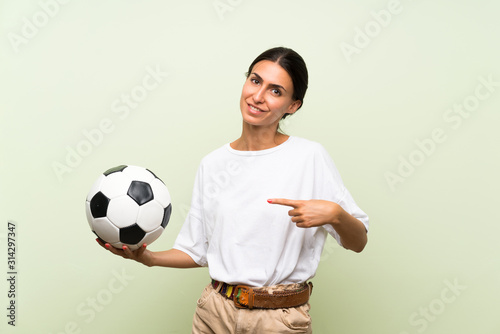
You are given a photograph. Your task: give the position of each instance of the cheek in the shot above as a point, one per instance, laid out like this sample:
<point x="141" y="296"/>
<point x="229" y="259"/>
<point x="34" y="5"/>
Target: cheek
<point x="246" y="91"/>
<point x="279" y="107"/>
<point x="243" y="97"/>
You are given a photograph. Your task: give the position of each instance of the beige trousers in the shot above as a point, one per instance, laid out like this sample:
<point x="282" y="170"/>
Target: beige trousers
<point x="216" y="314"/>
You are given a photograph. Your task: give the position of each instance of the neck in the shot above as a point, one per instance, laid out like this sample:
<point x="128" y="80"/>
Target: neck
<point x="257" y="138"/>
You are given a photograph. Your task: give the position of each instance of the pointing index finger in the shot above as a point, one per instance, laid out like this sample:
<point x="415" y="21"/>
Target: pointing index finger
<point x="284" y="201"/>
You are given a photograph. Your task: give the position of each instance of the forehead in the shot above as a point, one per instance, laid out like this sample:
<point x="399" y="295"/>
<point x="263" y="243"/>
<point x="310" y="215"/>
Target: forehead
<point x="273" y="73"/>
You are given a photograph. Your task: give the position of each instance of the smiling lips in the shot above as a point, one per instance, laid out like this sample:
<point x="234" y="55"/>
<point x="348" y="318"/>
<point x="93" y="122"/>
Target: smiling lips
<point x="254" y="109"/>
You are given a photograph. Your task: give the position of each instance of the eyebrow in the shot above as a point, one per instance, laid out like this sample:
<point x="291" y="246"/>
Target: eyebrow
<point x="271" y="85"/>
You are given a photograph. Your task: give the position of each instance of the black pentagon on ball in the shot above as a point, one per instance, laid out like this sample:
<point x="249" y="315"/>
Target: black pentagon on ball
<point x="166" y="215"/>
<point x="140" y="192"/>
<point x="115" y="169"/>
<point x="131" y="234"/>
<point x="99" y="205"/>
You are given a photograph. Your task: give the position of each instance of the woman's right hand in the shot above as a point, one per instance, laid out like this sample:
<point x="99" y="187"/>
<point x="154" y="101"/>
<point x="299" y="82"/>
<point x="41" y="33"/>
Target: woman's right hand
<point x="172" y="258"/>
<point x="141" y="255"/>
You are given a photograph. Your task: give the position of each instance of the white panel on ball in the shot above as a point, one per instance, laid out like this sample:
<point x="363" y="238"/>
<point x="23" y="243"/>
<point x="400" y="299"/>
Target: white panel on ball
<point x="115" y="184"/>
<point x="95" y="187"/>
<point x="150" y="215"/>
<point x="151" y="236"/>
<point x="105" y="230"/>
<point x="138" y="173"/>
<point x="122" y="211"/>
<point x="160" y="192"/>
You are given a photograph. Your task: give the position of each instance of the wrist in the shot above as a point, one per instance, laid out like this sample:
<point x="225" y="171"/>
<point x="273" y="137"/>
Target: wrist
<point x="151" y="260"/>
<point x="337" y="215"/>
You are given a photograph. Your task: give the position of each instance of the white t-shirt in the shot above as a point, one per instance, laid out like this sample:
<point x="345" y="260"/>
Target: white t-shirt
<point x="232" y="229"/>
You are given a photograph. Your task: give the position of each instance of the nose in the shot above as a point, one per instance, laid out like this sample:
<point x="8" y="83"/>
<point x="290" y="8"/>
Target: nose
<point x="258" y="96"/>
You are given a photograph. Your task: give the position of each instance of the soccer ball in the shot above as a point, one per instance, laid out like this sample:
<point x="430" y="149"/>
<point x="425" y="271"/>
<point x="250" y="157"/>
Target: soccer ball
<point x="128" y="205"/>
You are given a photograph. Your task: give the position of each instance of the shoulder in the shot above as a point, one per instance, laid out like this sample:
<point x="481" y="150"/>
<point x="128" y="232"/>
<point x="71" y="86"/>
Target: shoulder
<point x="307" y="145"/>
<point x="314" y="152"/>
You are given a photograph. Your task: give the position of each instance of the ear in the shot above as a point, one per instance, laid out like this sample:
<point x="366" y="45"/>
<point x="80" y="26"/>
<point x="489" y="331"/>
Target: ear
<point x="294" y="106"/>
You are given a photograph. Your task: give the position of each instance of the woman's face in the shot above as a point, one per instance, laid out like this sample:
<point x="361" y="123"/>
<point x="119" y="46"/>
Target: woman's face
<point x="267" y="95"/>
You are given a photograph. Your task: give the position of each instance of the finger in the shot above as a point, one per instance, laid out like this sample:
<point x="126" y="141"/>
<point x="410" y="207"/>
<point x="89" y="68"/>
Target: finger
<point x="113" y="250"/>
<point x="284" y="201"/>
<point x="100" y="243"/>
<point x="127" y="251"/>
<point x="103" y="244"/>
<point x="141" y="250"/>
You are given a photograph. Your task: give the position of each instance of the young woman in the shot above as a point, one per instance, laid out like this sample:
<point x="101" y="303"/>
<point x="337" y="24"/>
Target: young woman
<point x="261" y="211"/>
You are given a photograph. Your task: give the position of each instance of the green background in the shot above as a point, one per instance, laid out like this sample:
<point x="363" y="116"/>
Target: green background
<point x="433" y="228"/>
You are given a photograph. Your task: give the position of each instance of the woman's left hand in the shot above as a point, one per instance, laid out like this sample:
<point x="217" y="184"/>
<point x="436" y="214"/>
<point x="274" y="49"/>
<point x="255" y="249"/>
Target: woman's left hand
<point x="311" y="213"/>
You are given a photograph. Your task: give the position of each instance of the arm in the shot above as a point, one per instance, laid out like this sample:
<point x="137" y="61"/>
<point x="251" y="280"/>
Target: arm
<point x="352" y="232"/>
<point x="172" y="258"/>
<point x="313" y="213"/>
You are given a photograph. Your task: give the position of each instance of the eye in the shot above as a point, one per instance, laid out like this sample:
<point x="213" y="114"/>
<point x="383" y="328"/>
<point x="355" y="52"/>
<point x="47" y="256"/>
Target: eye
<point x="255" y="81"/>
<point x="276" y="91"/>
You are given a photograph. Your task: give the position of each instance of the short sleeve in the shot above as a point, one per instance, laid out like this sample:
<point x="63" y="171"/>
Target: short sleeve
<point x="333" y="189"/>
<point x="192" y="237"/>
